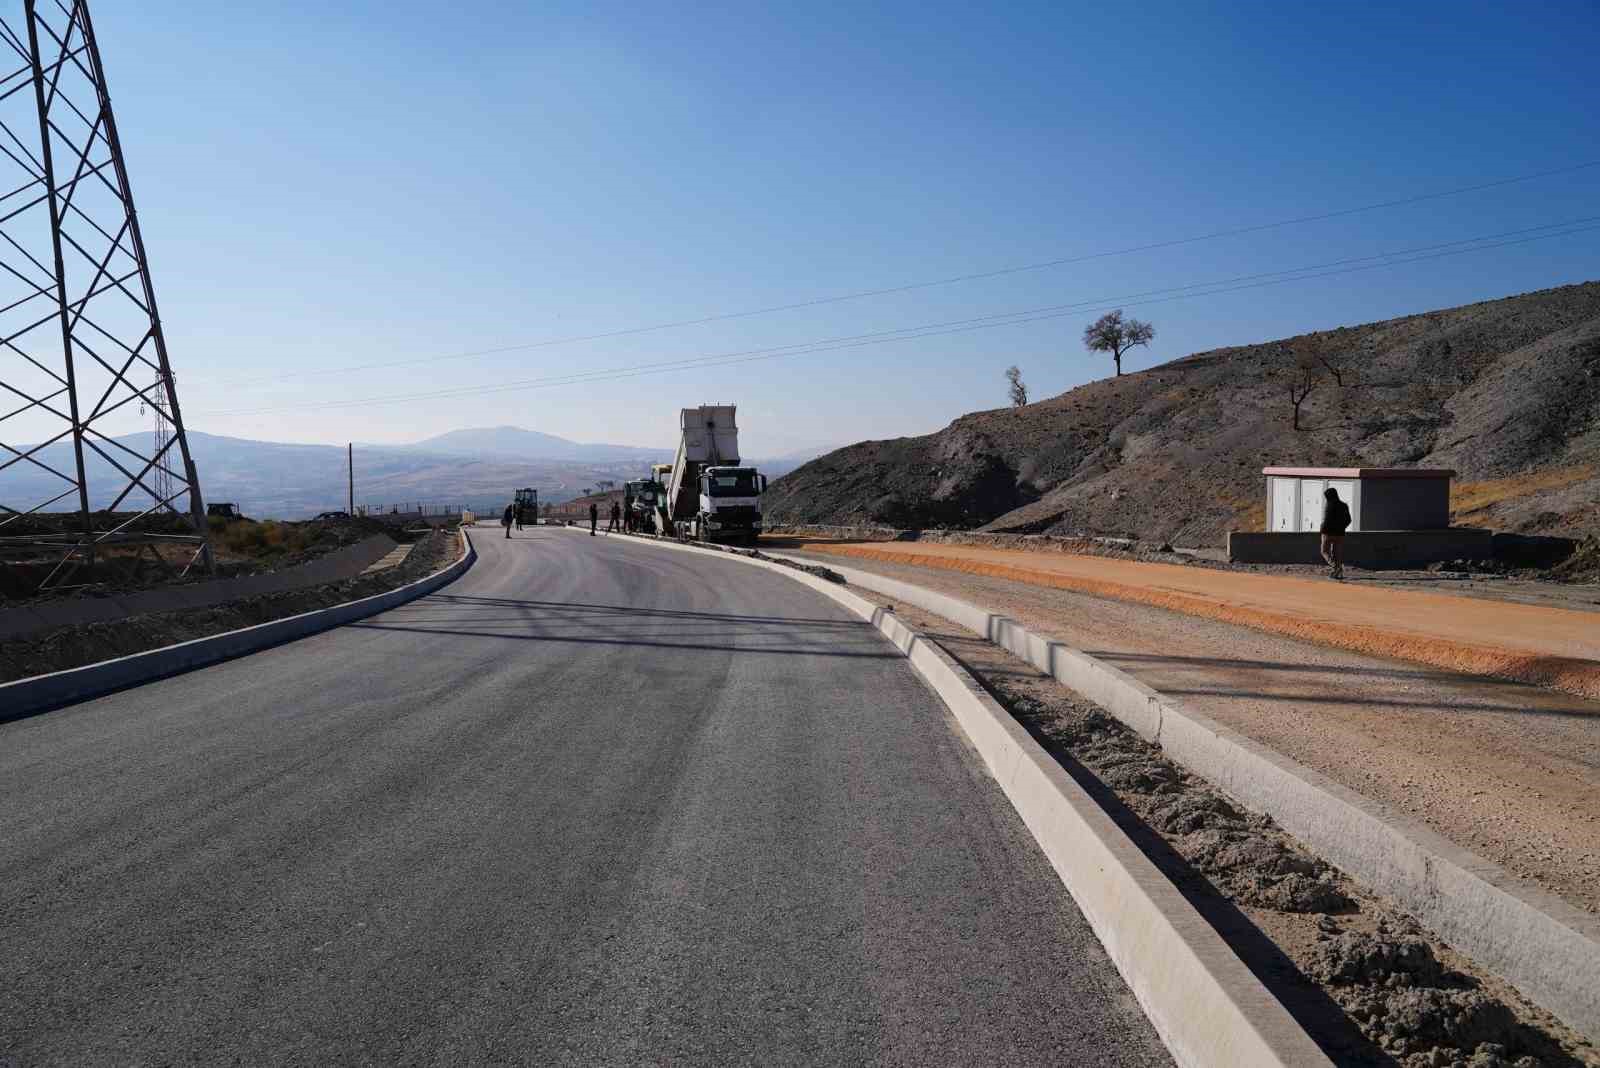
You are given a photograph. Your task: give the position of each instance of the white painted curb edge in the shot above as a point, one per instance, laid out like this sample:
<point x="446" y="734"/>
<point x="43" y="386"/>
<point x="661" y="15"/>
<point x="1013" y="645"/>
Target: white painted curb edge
<point x="42" y="692"/>
<point x="1208" y="1008"/>
<point x="1545" y="947"/>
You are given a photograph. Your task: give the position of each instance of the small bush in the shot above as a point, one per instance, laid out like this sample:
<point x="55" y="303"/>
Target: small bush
<point x="268" y="539"/>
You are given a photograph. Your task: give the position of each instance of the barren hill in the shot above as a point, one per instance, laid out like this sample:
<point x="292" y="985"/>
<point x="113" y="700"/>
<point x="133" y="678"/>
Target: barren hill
<point x="1507" y="392"/>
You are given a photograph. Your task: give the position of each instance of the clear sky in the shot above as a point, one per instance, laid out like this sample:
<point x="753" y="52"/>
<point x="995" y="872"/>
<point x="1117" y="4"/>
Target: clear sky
<point x="328" y="185"/>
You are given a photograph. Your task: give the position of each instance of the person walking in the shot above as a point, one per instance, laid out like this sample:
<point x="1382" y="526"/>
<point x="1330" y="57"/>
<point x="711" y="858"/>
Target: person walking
<point x="616" y="518"/>
<point x="594" y="517"/>
<point x="505" y="520"/>
<point x="1335" y="521"/>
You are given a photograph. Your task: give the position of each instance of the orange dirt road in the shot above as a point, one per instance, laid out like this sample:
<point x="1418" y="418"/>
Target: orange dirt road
<point x="1554" y="647"/>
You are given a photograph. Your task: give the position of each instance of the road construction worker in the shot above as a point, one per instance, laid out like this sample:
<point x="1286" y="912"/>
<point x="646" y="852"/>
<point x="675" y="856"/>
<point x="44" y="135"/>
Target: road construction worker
<point x="1335" y="521"/>
<point x="616" y="518"/>
<point x="594" y="518"/>
<point x="505" y="520"/>
<point x="522" y="510"/>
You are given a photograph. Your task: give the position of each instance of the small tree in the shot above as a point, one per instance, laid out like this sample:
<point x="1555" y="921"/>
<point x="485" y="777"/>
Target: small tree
<point x="1116" y="335"/>
<point x="1302" y="380"/>
<point x="1019" y="391"/>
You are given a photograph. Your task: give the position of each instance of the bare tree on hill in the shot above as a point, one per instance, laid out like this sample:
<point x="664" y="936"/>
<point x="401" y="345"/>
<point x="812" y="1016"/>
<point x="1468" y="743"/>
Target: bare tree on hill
<point x="1019" y="391"/>
<point x="1302" y="379"/>
<point x="1116" y="335"/>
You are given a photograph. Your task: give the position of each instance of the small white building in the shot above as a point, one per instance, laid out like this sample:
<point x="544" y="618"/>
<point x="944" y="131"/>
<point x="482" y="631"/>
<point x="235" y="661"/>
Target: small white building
<point x="1380" y="498"/>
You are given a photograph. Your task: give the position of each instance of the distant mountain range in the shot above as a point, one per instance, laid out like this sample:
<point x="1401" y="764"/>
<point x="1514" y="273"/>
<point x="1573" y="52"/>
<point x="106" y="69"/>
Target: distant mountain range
<point x="478" y="467"/>
<point x="515" y="441"/>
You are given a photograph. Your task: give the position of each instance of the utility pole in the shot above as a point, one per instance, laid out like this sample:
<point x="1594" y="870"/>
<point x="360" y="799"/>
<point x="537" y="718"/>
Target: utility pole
<point x="350" y="467"/>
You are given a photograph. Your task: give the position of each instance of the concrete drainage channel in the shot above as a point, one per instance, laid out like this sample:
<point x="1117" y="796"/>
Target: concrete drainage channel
<point x="25" y="697"/>
<point x="1208" y="1007"/>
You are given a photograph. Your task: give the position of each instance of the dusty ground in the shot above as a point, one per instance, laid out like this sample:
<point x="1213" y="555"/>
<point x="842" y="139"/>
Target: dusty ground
<point x="1507" y="770"/>
<point x="1574" y="584"/>
<point x="1368" y="983"/>
<point x="240" y="547"/>
<point x="1552" y="647"/>
<point x="70" y="647"/>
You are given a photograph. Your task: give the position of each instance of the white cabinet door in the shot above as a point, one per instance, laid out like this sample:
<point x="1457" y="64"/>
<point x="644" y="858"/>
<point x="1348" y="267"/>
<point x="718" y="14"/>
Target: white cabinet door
<point x="1311" y="503"/>
<point x="1284" y="499"/>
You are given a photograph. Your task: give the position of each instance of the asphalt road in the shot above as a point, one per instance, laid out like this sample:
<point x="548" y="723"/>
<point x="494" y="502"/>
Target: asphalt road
<point x="597" y="802"/>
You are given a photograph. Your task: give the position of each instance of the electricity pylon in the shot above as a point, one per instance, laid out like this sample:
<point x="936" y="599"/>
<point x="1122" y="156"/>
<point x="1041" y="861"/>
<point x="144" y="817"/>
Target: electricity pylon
<point x="80" y="337"/>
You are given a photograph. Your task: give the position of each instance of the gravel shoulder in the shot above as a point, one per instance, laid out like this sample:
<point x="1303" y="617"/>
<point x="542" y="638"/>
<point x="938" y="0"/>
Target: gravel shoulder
<point x="1368" y="983"/>
<point x="1508" y="771"/>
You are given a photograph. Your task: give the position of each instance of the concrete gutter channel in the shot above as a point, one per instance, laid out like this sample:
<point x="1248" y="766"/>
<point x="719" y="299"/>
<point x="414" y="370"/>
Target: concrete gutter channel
<point x="43" y="692"/>
<point x="1203" y="1001"/>
<point x="1546" y="948"/>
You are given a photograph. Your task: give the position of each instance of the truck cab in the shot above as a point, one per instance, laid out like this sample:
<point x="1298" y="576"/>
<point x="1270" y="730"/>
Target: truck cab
<point x="730" y="503"/>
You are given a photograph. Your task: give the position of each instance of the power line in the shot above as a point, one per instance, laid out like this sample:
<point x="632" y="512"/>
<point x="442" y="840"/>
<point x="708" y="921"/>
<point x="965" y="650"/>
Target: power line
<point x="1019" y="317"/>
<point x="913" y="286"/>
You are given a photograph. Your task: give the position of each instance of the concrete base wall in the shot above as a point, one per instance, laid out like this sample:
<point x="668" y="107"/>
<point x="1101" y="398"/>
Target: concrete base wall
<point x="1366" y="548"/>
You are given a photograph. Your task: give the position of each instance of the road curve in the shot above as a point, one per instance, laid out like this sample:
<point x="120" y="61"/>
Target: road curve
<point x="597" y="802"/>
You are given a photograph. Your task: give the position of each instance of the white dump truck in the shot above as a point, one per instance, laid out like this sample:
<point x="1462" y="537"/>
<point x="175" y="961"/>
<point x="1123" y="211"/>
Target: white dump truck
<point x="708" y="495"/>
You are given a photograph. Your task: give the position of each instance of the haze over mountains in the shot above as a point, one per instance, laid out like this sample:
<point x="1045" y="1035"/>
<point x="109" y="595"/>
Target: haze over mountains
<point x="478" y="467"/>
<point x="515" y="441"/>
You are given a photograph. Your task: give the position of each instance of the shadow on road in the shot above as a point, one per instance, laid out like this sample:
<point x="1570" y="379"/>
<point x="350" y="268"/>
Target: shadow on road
<point x="516" y="619"/>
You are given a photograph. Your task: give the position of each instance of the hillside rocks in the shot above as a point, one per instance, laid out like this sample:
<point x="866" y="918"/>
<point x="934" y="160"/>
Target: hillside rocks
<point x="1504" y="390"/>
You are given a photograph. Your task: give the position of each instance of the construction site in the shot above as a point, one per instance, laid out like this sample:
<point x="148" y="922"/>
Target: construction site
<point x="1131" y="725"/>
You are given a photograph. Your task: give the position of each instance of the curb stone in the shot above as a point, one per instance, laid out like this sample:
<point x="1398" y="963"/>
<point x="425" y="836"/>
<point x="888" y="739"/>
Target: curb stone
<point x="41" y="693"/>
<point x="1208" y="1008"/>
<point x="1543" y="946"/>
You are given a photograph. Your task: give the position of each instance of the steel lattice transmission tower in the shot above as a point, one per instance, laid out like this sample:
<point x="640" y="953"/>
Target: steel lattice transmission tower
<point x="80" y="337"/>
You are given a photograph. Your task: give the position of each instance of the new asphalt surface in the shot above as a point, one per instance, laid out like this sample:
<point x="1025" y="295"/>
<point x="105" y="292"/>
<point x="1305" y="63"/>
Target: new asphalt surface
<point x="596" y="802"/>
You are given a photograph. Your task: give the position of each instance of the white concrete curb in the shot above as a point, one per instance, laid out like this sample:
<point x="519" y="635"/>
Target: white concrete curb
<point x="1542" y="945"/>
<point x="1206" y="1005"/>
<point x="27" y="696"/>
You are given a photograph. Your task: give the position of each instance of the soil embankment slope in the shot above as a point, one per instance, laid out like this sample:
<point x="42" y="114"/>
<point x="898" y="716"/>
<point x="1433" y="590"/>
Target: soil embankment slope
<point x="1506" y="392"/>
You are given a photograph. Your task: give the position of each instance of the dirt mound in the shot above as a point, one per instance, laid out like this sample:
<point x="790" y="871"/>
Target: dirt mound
<point x="1506" y="392"/>
<point x="1376" y="964"/>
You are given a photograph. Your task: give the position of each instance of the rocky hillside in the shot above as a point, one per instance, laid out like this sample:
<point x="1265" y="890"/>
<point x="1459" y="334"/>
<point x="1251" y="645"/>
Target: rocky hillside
<point x="1506" y="392"/>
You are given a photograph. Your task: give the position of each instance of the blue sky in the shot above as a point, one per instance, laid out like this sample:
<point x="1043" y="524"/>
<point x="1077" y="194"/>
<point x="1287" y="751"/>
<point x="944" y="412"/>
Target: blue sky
<point x="324" y="186"/>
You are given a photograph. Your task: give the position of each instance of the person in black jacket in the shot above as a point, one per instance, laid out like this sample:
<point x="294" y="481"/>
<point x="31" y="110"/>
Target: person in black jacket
<point x="505" y="520"/>
<point x="594" y="517"/>
<point x="1335" y="521"/>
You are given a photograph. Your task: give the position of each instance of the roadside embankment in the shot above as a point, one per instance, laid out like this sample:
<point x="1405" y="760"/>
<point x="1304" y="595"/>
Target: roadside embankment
<point x="1553" y="647"/>
<point x="63" y="648"/>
